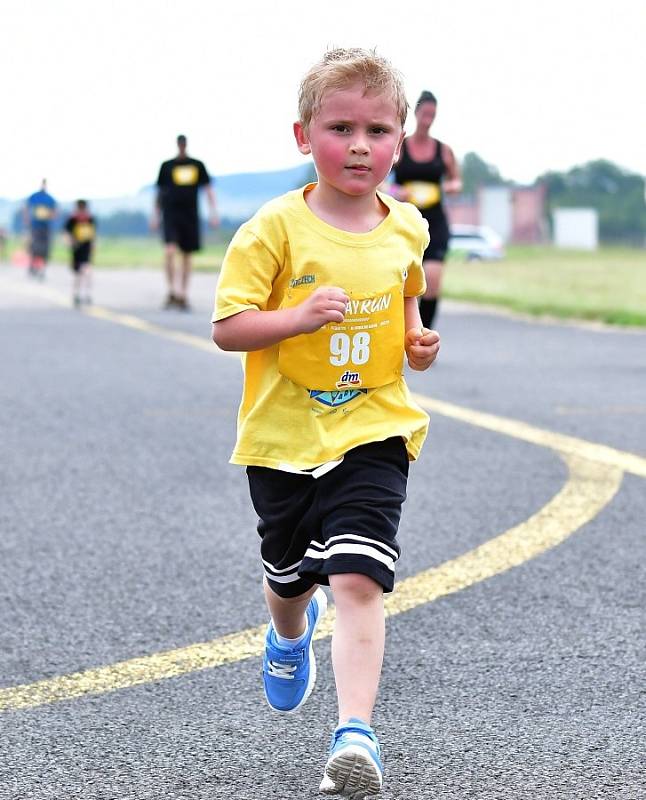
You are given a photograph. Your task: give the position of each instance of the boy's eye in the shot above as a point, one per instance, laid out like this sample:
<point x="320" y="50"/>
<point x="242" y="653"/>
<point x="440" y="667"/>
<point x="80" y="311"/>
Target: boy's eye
<point x="379" y="129"/>
<point x="340" y="128"/>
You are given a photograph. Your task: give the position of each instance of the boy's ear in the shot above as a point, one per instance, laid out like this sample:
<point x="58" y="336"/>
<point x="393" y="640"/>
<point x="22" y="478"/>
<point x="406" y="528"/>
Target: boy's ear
<point x="398" y="149"/>
<point x="302" y="141"/>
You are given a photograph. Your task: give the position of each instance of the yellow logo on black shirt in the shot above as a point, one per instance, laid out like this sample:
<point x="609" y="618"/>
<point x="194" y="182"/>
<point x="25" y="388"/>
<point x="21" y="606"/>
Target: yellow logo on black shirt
<point x="84" y="231"/>
<point x="185" y="175"/>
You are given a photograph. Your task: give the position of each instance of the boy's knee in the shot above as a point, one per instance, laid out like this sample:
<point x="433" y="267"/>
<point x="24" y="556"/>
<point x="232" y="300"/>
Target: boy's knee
<point x="295" y="600"/>
<point x="356" y="587"/>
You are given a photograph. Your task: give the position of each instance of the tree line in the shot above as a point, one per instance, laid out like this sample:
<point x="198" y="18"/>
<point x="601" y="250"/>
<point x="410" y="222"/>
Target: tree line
<point x="617" y="194"/>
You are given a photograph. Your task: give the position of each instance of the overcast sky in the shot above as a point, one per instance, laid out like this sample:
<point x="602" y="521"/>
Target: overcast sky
<point x="96" y="92"/>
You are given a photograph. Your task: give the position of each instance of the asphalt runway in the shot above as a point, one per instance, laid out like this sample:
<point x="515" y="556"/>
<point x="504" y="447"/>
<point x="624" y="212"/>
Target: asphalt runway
<point x="126" y="535"/>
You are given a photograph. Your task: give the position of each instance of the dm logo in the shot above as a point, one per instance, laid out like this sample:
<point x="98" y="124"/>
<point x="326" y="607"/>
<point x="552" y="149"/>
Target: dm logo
<point x="349" y="380"/>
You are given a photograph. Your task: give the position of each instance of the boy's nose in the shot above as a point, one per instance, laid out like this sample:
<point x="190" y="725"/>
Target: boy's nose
<point x="359" y="145"/>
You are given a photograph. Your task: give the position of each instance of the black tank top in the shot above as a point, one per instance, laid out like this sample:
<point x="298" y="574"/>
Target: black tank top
<point x="431" y="171"/>
<point x="408" y="171"/>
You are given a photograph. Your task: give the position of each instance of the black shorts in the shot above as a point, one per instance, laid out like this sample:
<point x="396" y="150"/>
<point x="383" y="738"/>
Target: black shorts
<point x="344" y="522"/>
<point x="182" y="229"/>
<point x="438" y="230"/>
<point x="81" y="255"/>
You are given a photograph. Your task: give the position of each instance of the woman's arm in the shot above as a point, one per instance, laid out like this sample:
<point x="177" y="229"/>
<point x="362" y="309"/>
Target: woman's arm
<point x="452" y="184"/>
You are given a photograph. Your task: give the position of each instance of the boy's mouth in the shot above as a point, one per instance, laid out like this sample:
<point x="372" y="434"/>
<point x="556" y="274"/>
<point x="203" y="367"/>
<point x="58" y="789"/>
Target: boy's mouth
<point x="358" y="167"/>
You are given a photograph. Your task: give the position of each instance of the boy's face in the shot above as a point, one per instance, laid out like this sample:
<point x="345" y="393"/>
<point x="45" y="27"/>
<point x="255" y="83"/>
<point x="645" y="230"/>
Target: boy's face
<point x="354" y="139"/>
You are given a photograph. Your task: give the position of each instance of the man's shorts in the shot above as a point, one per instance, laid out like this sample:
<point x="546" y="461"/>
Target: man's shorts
<point x="343" y="522"/>
<point x="39" y="242"/>
<point x="182" y="229"/>
<point x="81" y="255"/>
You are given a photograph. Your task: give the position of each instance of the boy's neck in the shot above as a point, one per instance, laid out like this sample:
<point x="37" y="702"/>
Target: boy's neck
<point x="355" y="214"/>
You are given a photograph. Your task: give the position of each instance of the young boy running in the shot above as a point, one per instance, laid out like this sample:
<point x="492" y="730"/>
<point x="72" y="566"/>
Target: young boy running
<point x="81" y="229"/>
<point x="319" y="290"/>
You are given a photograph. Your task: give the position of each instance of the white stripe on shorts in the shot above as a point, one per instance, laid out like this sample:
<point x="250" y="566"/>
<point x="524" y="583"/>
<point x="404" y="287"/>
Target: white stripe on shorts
<point x="284" y="575"/>
<point x="351" y="549"/>
<point x="291" y="568"/>
<point x="356" y="538"/>
<point x="282" y="578"/>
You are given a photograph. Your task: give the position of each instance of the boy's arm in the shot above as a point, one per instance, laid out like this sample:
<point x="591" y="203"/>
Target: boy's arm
<point x="422" y="345"/>
<point x="254" y="330"/>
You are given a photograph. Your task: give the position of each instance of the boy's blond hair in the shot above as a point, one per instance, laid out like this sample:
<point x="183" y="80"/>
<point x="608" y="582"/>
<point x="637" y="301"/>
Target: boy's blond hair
<point x="341" y="68"/>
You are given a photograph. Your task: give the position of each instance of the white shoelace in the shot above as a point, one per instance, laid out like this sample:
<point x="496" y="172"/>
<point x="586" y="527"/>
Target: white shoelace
<point x="278" y="670"/>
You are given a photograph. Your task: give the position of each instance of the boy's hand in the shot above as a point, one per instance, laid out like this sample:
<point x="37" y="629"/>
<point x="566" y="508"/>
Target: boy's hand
<point x="422" y="346"/>
<point x="326" y="304"/>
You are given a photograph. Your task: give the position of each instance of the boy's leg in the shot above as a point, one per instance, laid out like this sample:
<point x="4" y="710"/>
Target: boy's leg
<point x="357" y="644"/>
<point x="288" y="519"/>
<point x="289" y="666"/>
<point x="77" y="287"/>
<point x="86" y="282"/>
<point x="354" y="767"/>
<point x="288" y="613"/>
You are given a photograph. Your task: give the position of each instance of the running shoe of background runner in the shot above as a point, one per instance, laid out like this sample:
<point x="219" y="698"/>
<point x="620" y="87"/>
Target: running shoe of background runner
<point x="354" y="767"/>
<point x="289" y="673"/>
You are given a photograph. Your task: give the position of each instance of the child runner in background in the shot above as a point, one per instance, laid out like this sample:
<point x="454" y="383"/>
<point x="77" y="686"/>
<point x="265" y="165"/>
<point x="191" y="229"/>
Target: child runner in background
<point x="319" y="289"/>
<point x="81" y="229"/>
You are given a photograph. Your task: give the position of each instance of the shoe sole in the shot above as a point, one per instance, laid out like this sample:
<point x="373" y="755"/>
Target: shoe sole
<point x="351" y="773"/>
<point x="321" y="599"/>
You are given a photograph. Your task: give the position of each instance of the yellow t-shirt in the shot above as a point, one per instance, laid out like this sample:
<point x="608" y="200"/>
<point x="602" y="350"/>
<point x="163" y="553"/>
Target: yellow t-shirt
<point x="275" y="260"/>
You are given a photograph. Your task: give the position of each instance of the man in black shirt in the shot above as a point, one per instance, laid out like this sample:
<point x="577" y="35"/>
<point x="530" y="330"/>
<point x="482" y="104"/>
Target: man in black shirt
<point x="177" y="204"/>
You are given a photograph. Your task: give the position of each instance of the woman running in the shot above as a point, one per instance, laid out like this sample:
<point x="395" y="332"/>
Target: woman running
<point x="427" y="168"/>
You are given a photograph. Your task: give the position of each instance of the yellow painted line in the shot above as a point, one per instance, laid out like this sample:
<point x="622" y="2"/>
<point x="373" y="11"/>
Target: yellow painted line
<point x="139" y="324"/>
<point x="127" y="320"/>
<point x="37" y="290"/>
<point x="590" y="487"/>
<point x="567" y="445"/>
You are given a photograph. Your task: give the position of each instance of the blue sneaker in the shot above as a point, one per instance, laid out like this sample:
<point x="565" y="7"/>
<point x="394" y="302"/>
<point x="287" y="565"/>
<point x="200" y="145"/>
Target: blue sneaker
<point x="354" y="767"/>
<point x="289" y="673"/>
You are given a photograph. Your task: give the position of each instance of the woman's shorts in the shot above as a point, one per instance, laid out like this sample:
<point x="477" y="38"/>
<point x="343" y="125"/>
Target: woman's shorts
<point x="343" y="522"/>
<point x="438" y="231"/>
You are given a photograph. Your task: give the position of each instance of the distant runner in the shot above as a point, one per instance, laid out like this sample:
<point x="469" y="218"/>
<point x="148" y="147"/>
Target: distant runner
<point x="39" y="212"/>
<point x="427" y="168"/>
<point x="177" y="204"/>
<point x="81" y="229"/>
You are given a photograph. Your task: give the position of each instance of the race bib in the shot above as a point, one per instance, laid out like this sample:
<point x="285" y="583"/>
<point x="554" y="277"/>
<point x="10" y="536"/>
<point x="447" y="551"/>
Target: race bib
<point x="185" y="175"/>
<point x="423" y="194"/>
<point x="364" y="351"/>
<point x="83" y="231"/>
<point x="42" y="212"/>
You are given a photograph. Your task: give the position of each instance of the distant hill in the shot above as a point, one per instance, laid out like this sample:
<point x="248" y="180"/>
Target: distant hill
<point x="239" y="195"/>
